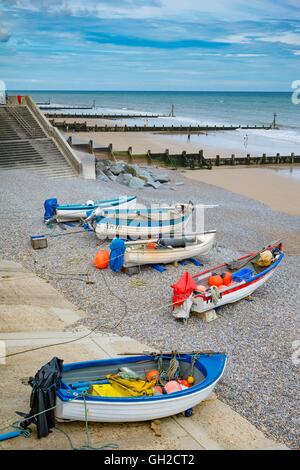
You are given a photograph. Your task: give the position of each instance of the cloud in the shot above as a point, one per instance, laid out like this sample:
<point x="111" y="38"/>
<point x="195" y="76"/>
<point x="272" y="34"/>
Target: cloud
<point x="245" y="55"/>
<point x="287" y="38"/>
<point x="4" y="35"/>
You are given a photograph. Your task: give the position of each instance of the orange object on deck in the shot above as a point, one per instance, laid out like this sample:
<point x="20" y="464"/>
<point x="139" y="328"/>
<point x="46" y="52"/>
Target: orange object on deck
<point x="226" y="277"/>
<point x="152" y="375"/>
<point x="101" y="259"/>
<point x="215" y="280"/>
<point x="151" y="246"/>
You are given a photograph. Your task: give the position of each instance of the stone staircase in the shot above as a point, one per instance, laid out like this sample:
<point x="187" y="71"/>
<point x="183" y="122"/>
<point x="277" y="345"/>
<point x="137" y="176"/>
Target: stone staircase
<point x="24" y="145"/>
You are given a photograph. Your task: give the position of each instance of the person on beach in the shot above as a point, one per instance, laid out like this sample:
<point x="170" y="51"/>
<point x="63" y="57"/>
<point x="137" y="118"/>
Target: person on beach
<point x="189" y="137"/>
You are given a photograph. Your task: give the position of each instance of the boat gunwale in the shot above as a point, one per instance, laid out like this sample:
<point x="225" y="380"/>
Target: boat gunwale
<point x="113" y="202"/>
<point x="209" y="380"/>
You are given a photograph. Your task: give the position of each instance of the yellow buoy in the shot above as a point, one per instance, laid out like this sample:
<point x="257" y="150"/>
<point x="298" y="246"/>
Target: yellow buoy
<point x="191" y="379"/>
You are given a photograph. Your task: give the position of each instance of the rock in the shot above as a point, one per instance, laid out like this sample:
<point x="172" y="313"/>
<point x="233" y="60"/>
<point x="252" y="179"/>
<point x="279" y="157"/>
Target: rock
<point x="136" y="183"/>
<point x="117" y="168"/>
<point x="124" y="178"/>
<point x="179" y="183"/>
<point x="142" y="173"/>
<point x="102" y="176"/>
<point x="153" y="184"/>
<point x="102" y="165"/>
<point x="110" y="175"/>
<point x="155" y="427"/>
<point x="161" y="178"/>
<point x="130" y="169"/>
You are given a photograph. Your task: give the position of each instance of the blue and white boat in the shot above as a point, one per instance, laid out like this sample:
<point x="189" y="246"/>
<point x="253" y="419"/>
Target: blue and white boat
<point x="142" y="223"/>
<point x="72" y="406"/>
<point x="65" y="212"/>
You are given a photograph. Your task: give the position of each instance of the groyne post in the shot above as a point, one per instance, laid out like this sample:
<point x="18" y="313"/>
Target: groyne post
<point x="91" y="146"/>
<point x="232" y="160"/>
<point x="149" y="159"/>
<point x="167" y="156"/>
<point x="130" y="157"/>
<point x="111" y="153"/>
<point x="217" y="160"/>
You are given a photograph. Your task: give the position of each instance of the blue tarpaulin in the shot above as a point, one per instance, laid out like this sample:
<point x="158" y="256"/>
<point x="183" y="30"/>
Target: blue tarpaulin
<point x="50" y="206"/>
<point x="116" y="258"/>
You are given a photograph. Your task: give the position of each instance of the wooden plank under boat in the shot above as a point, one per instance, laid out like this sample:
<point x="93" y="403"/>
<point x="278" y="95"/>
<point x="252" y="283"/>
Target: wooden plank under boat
<point x="163" y="251"/>
<point x="65" y="212"/>
<point x="208" y="369"/>
<point x="256" y="276"/>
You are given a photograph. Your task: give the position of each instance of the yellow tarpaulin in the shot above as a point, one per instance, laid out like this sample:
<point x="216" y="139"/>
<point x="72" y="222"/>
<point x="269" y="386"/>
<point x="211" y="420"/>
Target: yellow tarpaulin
<point x="119" y="387"/>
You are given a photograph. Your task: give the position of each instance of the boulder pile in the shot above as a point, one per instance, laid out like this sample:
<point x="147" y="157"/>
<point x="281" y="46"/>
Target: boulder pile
<point x="131" y="175"/>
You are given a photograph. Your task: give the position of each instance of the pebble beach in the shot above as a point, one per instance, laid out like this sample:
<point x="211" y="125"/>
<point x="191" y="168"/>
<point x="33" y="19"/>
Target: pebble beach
<point x="261" y="382"/>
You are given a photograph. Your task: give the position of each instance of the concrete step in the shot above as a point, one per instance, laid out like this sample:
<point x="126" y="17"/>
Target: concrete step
<point x="24" y="145"/>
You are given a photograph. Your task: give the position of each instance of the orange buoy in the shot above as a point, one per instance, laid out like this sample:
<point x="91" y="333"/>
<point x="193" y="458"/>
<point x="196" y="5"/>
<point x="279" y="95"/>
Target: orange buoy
<point x="101" y="259"/>
<point x="227" y="278"/>
<point x="151" y="246"/>
<point x="152" y="375"/>
<point x="215" y="280"/>
<point x="184" y="382"/>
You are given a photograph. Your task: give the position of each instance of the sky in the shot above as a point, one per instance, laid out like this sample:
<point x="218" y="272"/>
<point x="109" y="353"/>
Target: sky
<point x="218" y="45"/>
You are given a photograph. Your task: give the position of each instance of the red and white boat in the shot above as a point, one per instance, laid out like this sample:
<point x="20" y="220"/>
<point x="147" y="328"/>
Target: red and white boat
<point x="246" y="274"/>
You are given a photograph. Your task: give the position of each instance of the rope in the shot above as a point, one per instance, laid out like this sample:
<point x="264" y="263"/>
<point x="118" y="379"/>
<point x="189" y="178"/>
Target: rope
<point x="87" y="446"/>
<point x="215" y="294"/>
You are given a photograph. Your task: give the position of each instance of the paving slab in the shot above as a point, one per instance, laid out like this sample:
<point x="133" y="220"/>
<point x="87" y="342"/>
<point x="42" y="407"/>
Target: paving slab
<point x="29" y="303"/>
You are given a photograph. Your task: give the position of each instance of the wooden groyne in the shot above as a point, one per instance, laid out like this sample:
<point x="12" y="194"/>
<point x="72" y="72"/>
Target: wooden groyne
<point x="199" y="161"/>
<point x="100" y="116"/>
<point x="184" y="159"/>
<point x="84" y="127"/>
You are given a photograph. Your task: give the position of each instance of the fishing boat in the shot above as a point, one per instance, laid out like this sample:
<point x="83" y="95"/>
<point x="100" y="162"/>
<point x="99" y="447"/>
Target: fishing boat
<point x="146" y="223"/>
<point x="71" y="405"/>
<point x="209" y="289"/>
<point x="69" y="212"/>
<point x="167" y="250"/>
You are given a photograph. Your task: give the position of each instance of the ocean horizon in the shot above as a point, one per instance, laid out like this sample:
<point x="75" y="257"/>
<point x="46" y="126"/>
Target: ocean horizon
<point x="229" y="107"/>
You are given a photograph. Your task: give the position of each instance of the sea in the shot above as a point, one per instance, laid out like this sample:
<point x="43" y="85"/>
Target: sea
<point x="211" y="108"/>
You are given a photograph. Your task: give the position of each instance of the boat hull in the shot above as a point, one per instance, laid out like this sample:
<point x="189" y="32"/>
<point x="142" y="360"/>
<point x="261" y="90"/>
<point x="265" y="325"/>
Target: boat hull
<point x="138" y="229"/>
<point x="73" y="212"/>
<point x="104" y="412"/>
<point x="199" y="305"/>
<point x="71" y="406"/>
<point x="167" y="255"/>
